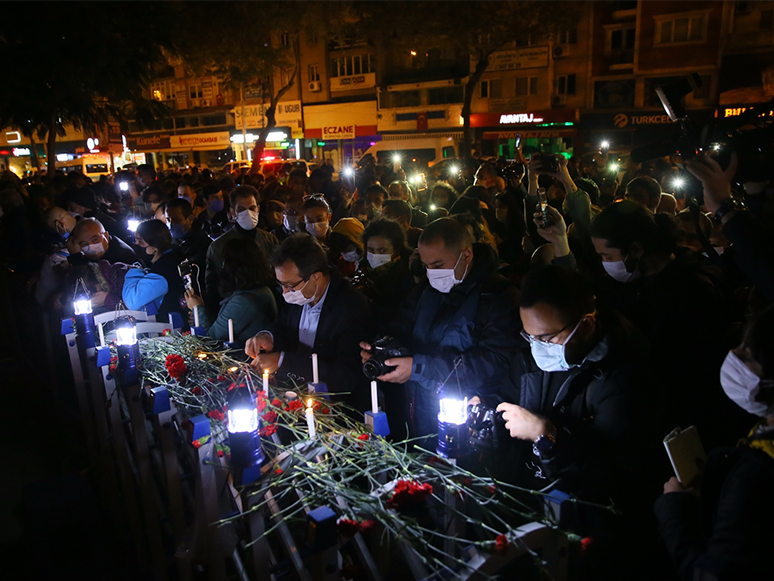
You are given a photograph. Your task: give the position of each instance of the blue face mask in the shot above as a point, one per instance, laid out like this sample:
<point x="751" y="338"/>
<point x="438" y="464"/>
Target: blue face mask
<point x="65" y="236"/>
<point x="216" y="205"/>
<point x="178" y="231"/>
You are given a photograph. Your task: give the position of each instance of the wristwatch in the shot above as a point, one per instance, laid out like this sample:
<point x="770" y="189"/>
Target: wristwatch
<point x="727" y="207"/>
<point x="545" y="443"/>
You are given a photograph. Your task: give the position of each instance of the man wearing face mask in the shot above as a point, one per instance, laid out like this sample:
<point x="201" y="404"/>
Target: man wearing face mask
<point x="192" y="242"/>
<point x="467" y="313"/>
<point x="317" y="217"/>
<point x="724" y="533"/>
<point x="324" y="315"/>
<point x="245" y="213"/>
<point x="60" y="223"/>
<point x="213" y="220"/>
<point x="294" y="207"/>
<point x="89" y="242"/>
<point x="580" y="409"/>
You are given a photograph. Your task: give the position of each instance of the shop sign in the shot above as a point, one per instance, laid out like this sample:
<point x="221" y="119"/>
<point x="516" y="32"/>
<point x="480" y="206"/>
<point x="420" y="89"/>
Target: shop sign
<point x="20" y="151"/>
<point x="622" y="120"/>
<point x="148" y="142"/>
<point x="737" y="111"/>
<point x="520" y="58"/>
<point x="352" y="82"/>
<point x="338" y="132"/>
<point x="545" y="133"/>
<point x="219" y="140"/>
<point x="505" y="105"/>
<point x="288" y="114"/>
<point x="524" y="118"/>
<point x="519" y="119"/>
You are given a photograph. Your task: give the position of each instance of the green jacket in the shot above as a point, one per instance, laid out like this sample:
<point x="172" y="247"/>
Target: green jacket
<point x="252" y="311"/>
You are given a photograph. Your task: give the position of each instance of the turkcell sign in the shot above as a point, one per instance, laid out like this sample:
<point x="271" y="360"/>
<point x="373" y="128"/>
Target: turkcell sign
<point x="338" y="132"/>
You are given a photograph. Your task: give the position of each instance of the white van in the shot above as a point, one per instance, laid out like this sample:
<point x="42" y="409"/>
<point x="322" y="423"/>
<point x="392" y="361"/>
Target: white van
<point x="418" y="152"/>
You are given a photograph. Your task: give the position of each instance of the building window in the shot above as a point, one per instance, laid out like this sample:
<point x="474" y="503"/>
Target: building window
<point x="285" y="39"/>
<point x="210" y="120"/>
<point x="565" y="84"/>
<point x="526" y="86"/>
<point x="396" y="99"/>
<point x="162" y="90"/>
<point x="495" y="88"/>
<point x="686" y="28"/>
<point x="484" y="89"/>
<point x="567" y="36"/>
<point x="614" y="94"/>
<point x="314" y="73"/>
<point x="179" y="122"/>
<point x="195" y="91"/>
<point x="767" y="20"/>
<point x="312" y="37"/>
<point x="620" y="39"/>
<point x="444" y="95"/>
<point x="525" y="41"/>
<point x="351" y="65"/>
<point x="193" y="122"/>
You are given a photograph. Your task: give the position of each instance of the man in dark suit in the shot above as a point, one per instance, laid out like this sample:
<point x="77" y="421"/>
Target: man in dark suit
<point x="324" y="315"/>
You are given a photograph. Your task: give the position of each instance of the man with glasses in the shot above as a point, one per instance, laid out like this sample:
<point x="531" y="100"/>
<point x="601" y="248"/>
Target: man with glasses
<point x="324" y="315"/>
<point x="582" y="406"/>
<point x="463" y="329"/>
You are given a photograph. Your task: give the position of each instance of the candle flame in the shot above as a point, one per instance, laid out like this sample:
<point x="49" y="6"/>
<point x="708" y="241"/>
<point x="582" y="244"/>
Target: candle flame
<point x="233" y="369"/>
<point x="309" y="403"/>
<point x="202" y="356"/>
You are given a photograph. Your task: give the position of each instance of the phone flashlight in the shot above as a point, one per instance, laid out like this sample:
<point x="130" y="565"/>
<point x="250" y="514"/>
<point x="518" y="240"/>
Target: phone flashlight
<point x="123" y="186"/>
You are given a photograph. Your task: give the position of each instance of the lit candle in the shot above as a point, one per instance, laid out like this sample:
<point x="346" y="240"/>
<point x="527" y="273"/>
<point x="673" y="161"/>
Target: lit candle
<point x="310" y="418"/>
<point x="231" y="330"/>
<point x="374" y="399"/>
<point x="196" y="317"/>
<point x="266" y="382"/>
<point x="315" y="375"/>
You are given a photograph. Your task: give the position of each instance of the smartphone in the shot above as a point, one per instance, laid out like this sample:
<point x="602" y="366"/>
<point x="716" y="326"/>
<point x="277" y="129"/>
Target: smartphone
<point x="548" y="163"/>
<point x="518" y="140"/>
<point x="543" y="201"/>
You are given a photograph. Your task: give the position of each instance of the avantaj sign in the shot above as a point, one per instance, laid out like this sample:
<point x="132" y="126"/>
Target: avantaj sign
<point x="519" y="118"/>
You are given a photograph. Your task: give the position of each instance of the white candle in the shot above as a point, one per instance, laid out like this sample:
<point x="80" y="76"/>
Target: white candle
<point x="310" y="419"/>
<point x="231" y="330"/>
<point x="196" y="317"/>
<point x="101" y="334"/>
<point x="374" y="399"/>
<point x="315" y="375"/>
<point x="266" y="382"/>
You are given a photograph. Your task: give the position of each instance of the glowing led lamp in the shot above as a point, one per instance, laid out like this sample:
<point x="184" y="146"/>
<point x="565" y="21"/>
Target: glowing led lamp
<point x="82" y="305"/>
<point x="453" y="411"/>
<point x="243" y="428"/>
<point x="132" y="224"/>
<point x="242" y="420"/>
<point x="128" y="349"/>
<point x="453" y="431"/>
<point x="84" y="321"/>
<point x="126" y="333"/>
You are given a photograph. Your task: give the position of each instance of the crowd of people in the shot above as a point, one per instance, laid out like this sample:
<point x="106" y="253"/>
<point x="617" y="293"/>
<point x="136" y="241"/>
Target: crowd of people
<point x="594" y="308"/>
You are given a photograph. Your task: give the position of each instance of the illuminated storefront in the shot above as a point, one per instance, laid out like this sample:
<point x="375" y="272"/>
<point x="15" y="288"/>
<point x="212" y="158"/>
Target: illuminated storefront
<point x="552" y="131"/>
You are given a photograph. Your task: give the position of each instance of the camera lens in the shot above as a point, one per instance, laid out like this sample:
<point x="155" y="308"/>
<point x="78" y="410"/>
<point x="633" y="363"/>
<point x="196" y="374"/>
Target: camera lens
<point x="372" y="369"/>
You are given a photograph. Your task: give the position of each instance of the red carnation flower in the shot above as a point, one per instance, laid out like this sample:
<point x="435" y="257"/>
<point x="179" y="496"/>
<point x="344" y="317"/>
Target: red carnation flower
<point x="270" y="417"/>
<point x="347" y="527"/>
<point x="261" y="403"/>
<point x="492" y="489"/>
<point x="408" y="491"/>
<point x="367" y="526"/>
<point x="186" y="333"/>
<point x="196" y="391"/>
<point x="166" y="332"/>
<point x="175" y="365"/>
<point x="295" y="405"/>
<point x="221" y="453"/>
<point x="221" y="378"/>
<point x="276" y="403"/>
<point x="501" y="543"/>
<point x="268" y="430"/>
<point x="586" y="544"/>
<point x="196" y="444"/>
<point x="326" y="411"/>
<point x="278" y="470"/>
<point x="217" y="415"/>
<point x="363" y="437"/>
<point x="316" y="406"/>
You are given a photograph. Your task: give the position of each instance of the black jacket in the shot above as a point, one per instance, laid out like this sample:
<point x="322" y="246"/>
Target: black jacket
<point x="166" y="266"/>
<point x="344" y="322"/>
<point x="193" y="247"/>
<point x="727" y="533"/>
<point x="120" y="251"/>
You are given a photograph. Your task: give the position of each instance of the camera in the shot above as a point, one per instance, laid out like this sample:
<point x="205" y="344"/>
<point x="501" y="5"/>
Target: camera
<point x="548" y="162"/>
<point x="381" y="350"/>
<point x="185" y="270"/>
<point x="486" y="426"/>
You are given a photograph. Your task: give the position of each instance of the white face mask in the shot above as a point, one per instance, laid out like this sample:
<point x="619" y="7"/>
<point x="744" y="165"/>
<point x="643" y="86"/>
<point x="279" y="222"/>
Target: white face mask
<point x="350" y="256"/>
<point x="317" y="229"/>
<point x="377" y="260"/>
<point x="742" y="386"/>
<point x="552" y="356"/>
<point x="73" y="214"/>
<point x="290" y="222"/>
<point x="618" y="271"/>
<point x="296" y="297"/>
<point x="719" y="249"/>
<point x="443" y="279"/>
<point x="93" y="249"/>
<point x="247" y="219"/>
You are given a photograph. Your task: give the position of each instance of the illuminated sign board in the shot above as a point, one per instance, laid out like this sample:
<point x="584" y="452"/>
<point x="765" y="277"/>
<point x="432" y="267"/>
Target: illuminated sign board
<point x="338" y="132"/>
<point x="737" y="111"/>
<point x="19" y="151"/>
<point x="528" y="118"/>
<point x="519" y="118"/>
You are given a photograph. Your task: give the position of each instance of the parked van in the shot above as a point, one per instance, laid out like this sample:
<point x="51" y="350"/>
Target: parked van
<point x="418" y="153"/>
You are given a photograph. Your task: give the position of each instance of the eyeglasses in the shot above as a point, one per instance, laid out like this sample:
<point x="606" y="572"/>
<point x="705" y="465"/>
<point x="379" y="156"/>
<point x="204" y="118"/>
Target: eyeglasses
<point x="545" y="338"/>
<point x="292" y="287"/>
<point x="315" y="197"/>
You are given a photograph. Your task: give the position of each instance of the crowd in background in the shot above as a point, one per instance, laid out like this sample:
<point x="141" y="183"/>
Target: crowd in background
<point x="621" y="307"/>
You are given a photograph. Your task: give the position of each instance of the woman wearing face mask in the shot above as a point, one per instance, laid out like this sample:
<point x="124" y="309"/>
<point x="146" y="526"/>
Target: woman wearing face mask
<point x="161" y="283"/>
<point x="344" y="245"/>
<point x="317" y="217"/>
<point x="245" y="282"/>
<point x="678" y="307"/>
<point x="722" y="530"/>
<point x="386" y="265"/>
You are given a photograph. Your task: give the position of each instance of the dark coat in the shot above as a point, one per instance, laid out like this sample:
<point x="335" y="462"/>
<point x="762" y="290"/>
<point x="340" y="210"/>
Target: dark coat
<point x="166" y="266"/>
<point x="477" y="321"/>
<point x="193" y="247"/>
<point x="120" y="251"/>
<point x="344" y="322"/>
<point x="727" y="533"/>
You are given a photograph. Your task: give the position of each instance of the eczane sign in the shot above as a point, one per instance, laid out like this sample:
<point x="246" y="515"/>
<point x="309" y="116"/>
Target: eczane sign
<point x="338" y="132"/>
